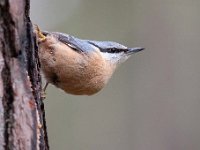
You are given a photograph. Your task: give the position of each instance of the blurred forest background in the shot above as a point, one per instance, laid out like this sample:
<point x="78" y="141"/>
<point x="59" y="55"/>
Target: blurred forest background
<point x="153" y="100"/>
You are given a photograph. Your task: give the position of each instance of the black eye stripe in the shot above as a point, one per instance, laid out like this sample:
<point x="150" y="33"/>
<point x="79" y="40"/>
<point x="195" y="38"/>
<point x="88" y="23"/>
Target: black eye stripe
<point x="113" y="50"/>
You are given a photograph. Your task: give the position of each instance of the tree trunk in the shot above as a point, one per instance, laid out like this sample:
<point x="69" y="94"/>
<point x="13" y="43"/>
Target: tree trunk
<point x="22" y="116"/>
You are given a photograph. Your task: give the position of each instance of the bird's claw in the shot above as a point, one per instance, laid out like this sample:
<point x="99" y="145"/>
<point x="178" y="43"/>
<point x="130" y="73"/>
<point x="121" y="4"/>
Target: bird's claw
<point x="40" y="37"/>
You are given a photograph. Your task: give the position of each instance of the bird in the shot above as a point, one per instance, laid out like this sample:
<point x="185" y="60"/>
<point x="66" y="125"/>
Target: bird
<point x="79" y="66"/>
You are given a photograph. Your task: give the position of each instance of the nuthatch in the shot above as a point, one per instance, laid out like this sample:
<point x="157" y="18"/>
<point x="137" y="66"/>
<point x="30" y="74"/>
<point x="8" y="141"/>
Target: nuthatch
<point x="79" y="67"/>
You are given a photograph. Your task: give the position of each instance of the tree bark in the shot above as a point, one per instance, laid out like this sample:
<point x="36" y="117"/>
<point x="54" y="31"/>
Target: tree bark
<point x="22" y="115"/>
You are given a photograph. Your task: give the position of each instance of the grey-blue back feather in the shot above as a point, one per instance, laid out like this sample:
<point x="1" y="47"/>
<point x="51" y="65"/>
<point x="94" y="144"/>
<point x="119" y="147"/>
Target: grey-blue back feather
<point x="107" y="45"/>
<point x="78" y="44"/>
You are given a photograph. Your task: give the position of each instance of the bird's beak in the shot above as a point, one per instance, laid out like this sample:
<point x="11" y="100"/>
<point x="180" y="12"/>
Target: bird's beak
<point x="134" y="50"/>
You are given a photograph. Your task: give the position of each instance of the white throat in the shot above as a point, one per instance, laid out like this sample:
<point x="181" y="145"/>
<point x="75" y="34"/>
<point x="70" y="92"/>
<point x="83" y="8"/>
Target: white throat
<point x="115" y="58"/>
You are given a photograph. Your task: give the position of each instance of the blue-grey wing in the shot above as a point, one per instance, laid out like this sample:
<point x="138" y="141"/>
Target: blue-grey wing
<point x="75" y="43"/>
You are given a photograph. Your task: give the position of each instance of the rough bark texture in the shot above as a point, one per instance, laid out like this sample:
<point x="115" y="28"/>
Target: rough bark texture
<point x="22" y="116"/>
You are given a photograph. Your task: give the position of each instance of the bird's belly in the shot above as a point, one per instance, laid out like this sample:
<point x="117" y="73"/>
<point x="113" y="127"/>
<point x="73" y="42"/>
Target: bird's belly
<point x="81" y="85"/>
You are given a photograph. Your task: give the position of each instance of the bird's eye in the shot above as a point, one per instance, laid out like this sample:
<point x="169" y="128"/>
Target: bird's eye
<point x="112" y="50"/>
<point x="115" y="50"/>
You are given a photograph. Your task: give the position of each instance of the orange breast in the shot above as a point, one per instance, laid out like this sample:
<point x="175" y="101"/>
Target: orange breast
<point x="74" y="72"/>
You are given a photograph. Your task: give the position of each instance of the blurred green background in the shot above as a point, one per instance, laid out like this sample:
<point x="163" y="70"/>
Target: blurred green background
<point x="152" y="102"/>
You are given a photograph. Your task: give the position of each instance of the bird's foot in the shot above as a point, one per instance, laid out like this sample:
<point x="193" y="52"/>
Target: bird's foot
<point x="40" y="37"/>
